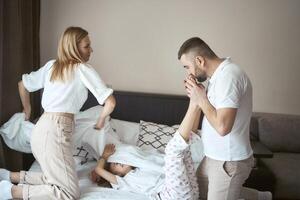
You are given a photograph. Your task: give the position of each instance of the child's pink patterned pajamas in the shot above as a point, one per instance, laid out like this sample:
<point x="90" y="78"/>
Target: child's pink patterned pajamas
<point x="180" y="181"/>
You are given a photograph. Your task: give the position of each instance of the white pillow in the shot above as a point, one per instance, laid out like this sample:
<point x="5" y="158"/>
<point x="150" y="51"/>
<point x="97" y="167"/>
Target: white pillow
<point x="128" y="132"/>
<point x="16" y="133"/>
<point x="81" y="156"/>
<point x="91" y="140"/>
<point x="92" y="113"/>
<point x="84" y="121"/>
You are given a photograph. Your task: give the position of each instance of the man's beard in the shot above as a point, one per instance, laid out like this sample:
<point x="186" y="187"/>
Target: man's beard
<point x="200" y="75"/>
<point x="201" y="79"/>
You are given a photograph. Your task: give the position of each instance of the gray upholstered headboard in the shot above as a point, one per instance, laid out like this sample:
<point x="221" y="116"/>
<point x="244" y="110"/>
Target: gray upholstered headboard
<point x="136" y="106"/>
<point x="2" y="160"/>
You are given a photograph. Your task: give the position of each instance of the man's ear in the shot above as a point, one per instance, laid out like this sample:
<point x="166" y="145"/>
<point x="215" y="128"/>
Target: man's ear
<point x="200" y="61"/>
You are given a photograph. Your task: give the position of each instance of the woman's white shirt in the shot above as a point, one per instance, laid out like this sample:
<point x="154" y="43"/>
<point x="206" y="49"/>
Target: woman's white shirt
<point x="68" y="96"/>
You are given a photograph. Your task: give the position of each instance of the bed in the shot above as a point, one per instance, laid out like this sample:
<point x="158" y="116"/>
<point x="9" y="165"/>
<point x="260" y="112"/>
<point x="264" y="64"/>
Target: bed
<point x="130" y="109"/>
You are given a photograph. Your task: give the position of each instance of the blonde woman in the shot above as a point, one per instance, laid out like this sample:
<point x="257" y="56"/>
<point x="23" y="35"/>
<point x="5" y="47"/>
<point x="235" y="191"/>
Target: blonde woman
<point x="66" y="82"/>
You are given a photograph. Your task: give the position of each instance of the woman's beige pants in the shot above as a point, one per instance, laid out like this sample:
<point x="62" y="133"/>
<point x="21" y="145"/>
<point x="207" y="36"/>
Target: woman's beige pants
<point x="51" y="147"/>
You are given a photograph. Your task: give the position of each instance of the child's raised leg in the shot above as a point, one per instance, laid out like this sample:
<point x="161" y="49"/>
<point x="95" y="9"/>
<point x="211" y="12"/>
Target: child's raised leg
<point x="177" y="184"/>
<point x="191" y="172"/>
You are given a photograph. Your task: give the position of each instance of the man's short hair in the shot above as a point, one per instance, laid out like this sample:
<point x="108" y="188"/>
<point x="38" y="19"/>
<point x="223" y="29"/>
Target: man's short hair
<point x="197" y="46"/>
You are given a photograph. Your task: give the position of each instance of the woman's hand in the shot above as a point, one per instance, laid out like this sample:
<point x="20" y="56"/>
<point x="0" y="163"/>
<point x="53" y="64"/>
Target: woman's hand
<point x="100" y="124"/>
<point x="27" y="112"/>
<point x="109" y="149"/>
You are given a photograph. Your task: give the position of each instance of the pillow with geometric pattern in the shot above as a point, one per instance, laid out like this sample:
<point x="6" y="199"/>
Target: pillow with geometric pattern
<point x="155" y="136"/>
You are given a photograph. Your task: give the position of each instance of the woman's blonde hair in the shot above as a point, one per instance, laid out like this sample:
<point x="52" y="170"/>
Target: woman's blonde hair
<point x="68" y="53"/>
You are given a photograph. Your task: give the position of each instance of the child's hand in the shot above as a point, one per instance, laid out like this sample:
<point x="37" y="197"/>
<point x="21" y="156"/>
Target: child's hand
<point x="108" y="151"/>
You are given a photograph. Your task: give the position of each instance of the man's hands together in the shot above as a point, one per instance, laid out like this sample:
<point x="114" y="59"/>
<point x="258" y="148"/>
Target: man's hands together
<point x="196" y="92"/>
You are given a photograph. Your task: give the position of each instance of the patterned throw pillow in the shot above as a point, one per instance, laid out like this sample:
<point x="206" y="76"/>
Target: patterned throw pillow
<point x="155" y="136"/>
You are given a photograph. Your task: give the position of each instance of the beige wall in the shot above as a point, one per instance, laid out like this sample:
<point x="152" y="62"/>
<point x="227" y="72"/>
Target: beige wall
<point x="135" y="42"/>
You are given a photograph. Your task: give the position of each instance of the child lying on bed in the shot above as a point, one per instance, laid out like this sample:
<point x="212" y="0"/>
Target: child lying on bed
<point x="177" y="182"/>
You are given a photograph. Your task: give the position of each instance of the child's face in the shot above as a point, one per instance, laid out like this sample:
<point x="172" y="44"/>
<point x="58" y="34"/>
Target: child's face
<point x="119" y="169"/>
